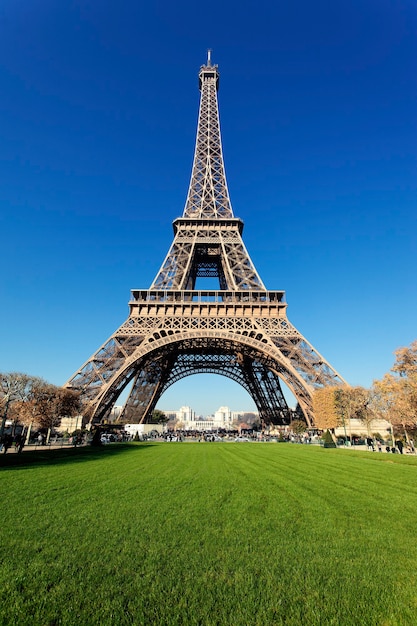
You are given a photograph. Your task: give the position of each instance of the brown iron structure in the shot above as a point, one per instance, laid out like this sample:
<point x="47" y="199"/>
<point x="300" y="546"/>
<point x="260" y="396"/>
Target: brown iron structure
<point x="240" y="330"/>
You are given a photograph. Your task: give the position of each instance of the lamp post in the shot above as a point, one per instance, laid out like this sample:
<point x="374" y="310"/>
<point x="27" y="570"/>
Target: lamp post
<point x="344" y="428"/>
<point x="392" y="435"/>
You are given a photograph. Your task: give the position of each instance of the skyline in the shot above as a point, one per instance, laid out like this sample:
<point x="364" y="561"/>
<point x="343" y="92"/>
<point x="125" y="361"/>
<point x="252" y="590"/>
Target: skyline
<point x="318" y="121"/>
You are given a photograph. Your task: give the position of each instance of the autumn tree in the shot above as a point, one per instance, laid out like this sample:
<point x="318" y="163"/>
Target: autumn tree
<point x="22" y="412"/>
<point x="337" y="406"/>
<point x="298" y="427"/>
<point x="395" y="395"/>
<point x="15" y="387"/>
<point x="354" y="403"/>
<point x="69" y="402"/>
<point x="406" y="361"/>
<point x="51" y="403"/>
<point x="395" y="400"/>
<point x="326" y="415"/>
<point x="406" y="367"/>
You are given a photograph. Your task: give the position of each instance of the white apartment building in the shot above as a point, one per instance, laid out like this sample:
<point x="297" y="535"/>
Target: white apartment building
<point x="185" y="417"/>
<point x="223" y="418"/>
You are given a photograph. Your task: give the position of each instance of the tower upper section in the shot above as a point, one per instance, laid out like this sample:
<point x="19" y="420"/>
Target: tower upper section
<point x="208" y="196"/>
<point x="208" y="242"/>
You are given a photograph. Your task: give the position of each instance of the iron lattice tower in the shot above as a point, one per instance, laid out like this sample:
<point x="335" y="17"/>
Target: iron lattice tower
<point x="240" y="330"/>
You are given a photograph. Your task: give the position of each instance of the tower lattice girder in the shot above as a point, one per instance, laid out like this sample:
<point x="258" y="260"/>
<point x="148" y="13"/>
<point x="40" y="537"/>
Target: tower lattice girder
<point x="200" y="356"/>
<point x="200" y="240"/>
<point x="173" y="330"/>
<point x="208" y="196"/>
<point x="250" y="328"/>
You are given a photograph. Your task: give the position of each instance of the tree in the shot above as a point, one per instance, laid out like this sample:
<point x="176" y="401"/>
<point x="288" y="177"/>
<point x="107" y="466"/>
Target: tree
<point x="406" y="367"/>
<point x="354" y="403"/>
<point x="69" y="402"/>
<point x="298" y="427"/>
<point x="30" y="399"/>
<point x="412" y="396"/>
<point x="406" y="360"/>
<point x="15" y="387"/>
<point x="158" y="417"/>
<point x="395" y="400"/>
<point x="50" y="403"/>
<point x="395" y="395"/>
<point x="337" y="406"/>
<point x="328" y="440"/>
<point x="23" y="412"/>
<point x="326" y="415"/>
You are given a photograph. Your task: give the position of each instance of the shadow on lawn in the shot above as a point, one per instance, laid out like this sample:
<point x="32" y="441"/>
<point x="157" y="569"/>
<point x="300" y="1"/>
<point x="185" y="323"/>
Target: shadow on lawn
<point x="63" y="456"/>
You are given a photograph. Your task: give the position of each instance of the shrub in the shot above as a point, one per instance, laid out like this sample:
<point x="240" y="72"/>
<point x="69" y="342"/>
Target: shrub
<point x="328" y="440"/>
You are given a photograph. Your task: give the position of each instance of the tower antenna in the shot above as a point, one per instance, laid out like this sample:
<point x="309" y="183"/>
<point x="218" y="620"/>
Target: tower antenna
<point x="209" y="57"/>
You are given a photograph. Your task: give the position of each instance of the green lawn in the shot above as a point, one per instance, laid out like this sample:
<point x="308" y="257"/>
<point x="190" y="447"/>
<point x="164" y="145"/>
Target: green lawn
<point x="208" y="533"/>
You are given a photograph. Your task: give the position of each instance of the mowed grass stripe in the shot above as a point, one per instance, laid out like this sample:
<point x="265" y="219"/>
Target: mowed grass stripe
<point x="209" y="534"/>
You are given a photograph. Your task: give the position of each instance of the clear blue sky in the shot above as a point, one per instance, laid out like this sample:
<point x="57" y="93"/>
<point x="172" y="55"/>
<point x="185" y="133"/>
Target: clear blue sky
<point x="99" y="104"/>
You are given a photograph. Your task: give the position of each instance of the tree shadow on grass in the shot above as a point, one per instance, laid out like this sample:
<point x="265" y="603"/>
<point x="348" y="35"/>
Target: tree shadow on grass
<point x="65" y="456"/>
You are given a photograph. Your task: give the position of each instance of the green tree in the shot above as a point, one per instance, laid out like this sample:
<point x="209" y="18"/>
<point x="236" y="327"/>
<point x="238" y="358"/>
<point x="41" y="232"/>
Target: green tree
<point x="328" y="439"/>
<point x="158" y="417"/>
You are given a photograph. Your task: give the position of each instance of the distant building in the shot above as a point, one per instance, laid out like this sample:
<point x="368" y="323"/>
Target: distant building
<point x="184" y="416"/>
<point x="223" y="419"/>
<point x="237" y="416"/>
<point x="70" y="424"/>
<point x="379" y="427"/>
<point x="115" y="413"/>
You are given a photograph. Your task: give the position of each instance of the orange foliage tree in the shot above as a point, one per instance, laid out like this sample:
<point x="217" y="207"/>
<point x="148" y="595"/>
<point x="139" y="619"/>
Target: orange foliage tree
<point x="336" y="406"/>
<point x="395" y="395"/>
<point x="326" y="415"/>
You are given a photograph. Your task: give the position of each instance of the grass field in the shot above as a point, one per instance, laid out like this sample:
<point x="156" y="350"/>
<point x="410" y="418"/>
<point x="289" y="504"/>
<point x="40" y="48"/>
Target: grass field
<point x="207" y="534"/>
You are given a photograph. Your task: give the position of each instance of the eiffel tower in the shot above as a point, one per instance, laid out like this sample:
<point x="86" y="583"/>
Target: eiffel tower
<point x="239" y="330"/>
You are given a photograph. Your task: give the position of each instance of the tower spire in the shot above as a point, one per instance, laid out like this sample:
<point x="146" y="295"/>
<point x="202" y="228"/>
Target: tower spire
<point x="208" y="242"/>
<point x="208" y="195"/>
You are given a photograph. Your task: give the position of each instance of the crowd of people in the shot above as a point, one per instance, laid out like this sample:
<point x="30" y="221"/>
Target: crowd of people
<point x="8" y="440"/>
<point x="18" y="439"/>
<point x="398" y="448"/>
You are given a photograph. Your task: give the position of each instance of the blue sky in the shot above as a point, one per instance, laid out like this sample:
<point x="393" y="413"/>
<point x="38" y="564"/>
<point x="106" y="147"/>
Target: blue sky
<point x="99" y="105"/>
